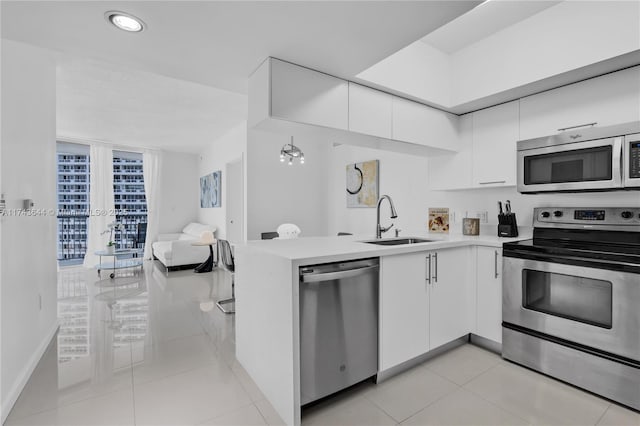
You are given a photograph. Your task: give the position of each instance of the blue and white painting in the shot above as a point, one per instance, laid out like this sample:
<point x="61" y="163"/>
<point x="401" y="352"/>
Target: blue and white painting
<point x="211" y="190"/>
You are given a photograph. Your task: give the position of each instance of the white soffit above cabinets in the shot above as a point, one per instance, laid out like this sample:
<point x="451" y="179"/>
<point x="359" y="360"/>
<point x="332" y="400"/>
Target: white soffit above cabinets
<point x="482" y="21"/>
<point x="525" y="49"/>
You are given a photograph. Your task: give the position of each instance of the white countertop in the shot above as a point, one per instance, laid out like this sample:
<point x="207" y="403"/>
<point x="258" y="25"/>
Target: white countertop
<point x="311" y="250"/>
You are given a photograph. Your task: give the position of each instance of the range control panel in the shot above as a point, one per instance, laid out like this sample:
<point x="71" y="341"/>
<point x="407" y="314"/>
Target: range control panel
<point x="586" y="217"/>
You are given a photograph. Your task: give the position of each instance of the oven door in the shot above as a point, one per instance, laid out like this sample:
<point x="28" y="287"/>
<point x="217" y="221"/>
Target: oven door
<point x="592" y="307"/>
<point x="591" y="165"/>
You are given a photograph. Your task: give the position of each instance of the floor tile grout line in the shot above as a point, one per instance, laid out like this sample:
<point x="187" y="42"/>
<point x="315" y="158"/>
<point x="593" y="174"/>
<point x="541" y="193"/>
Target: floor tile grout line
<point x="488" y="400"/>
<point x="602" y="416"/>
<point x="227" y="413"/>
<point x="497" y="406"/>
<point x="191" y="369"/>
<point x="429" y="404"/>
<point x="448" y="379"/>
<point x="63" y="405"/>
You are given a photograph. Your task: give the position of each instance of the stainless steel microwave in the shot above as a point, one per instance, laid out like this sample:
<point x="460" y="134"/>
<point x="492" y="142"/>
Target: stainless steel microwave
<point x="594" y="159"/>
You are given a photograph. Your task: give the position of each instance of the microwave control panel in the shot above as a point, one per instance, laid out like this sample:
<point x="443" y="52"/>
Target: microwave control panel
<point x="634" y="159"/>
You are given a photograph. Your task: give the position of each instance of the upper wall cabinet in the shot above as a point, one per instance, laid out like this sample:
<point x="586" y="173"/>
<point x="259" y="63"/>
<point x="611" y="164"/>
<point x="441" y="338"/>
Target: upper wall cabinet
<point x="495" y="133"/>
<point x="370" y="111"/>
<point x="487" y="155"/>
<point x="305" y="96"/>
<point x="609" y="99"/>
<point x="296" y="101"/>
<point x="417" y="123"/>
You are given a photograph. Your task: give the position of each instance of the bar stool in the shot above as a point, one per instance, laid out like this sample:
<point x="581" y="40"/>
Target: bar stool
<point x="225" y="257"/>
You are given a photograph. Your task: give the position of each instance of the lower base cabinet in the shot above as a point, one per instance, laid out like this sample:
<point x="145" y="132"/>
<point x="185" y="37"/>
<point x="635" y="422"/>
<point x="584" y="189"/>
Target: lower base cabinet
<point x="425" y="302"/>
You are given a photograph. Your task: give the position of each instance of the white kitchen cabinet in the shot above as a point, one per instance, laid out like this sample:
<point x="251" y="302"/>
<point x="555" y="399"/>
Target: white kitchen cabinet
<point x="419" y="124"/>
<point x="370" y="111"/>
<point x="606" y="100"/>
<point x="424" y="302"/>
<point x="450" y="308"/>
<point x="495" y="134"/>
<point x="305" y="96"/>
<point x="404" y="308"/>
<point x="454" y="171"/>
<point x="489" y="293"/>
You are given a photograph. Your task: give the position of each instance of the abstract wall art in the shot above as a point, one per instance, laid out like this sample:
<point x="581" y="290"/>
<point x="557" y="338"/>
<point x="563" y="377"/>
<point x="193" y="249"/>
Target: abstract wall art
<point x="211" y="190"/>
<point x="362" y="184"/>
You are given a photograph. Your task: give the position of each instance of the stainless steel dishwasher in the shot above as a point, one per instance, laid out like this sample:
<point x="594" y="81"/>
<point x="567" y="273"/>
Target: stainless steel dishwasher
<point x="338" y="326"/>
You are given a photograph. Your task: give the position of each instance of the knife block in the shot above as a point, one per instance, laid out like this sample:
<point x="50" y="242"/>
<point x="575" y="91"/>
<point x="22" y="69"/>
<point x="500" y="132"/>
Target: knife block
<point x="507" y="225"/>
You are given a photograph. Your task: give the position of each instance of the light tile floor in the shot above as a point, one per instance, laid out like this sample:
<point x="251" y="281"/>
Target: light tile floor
<point x="158" y="352"/>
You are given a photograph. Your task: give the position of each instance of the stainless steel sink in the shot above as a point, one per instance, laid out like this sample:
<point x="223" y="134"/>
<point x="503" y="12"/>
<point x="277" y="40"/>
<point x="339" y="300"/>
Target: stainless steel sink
<point x="398" y="241"/>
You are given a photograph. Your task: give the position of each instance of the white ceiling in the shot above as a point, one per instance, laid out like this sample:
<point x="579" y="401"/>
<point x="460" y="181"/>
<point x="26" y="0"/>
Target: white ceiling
<point x="182" y="82"/>
<point x="101" y="101"/>
<point x="219" y="43"/>
<point x="482" y="21"/>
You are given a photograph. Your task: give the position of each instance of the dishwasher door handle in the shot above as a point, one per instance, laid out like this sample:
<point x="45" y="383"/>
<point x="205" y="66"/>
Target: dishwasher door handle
<point x="330" y="276"/>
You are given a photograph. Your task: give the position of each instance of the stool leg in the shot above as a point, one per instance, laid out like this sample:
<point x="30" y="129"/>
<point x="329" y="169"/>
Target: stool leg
<point x="232" y="301"/>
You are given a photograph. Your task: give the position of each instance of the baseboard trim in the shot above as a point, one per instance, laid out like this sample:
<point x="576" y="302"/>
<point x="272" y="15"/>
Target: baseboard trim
<point x="393" y="371"/>
<point x="485" y="343"/>
<point x="21" y="381"/>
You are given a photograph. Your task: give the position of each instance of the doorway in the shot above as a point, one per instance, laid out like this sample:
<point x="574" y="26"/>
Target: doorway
<point x="235" y="201"/>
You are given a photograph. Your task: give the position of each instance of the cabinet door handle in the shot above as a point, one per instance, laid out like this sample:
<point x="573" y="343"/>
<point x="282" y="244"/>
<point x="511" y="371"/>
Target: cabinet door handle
<point x="492" y="182"/>
<point x="495" y="264"/>
<point x="435" y="259"/>
<point x="428" y="265"/>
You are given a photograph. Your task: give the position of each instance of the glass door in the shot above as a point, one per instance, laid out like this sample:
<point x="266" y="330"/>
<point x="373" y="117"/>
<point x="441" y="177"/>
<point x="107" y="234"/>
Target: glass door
<point x="576" y="298"/>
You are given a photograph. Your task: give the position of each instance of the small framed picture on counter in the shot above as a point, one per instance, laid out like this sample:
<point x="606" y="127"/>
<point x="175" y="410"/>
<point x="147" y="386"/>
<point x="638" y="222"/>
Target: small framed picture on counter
<point x="439" y="220"/>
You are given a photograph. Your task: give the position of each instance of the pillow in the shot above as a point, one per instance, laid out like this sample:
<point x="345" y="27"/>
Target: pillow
<point x="196" y="229"/>
<point x="191" y="229"/>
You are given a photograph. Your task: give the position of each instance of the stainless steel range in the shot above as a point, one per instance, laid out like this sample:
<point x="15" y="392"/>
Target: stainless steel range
<point x="571" y="299"/>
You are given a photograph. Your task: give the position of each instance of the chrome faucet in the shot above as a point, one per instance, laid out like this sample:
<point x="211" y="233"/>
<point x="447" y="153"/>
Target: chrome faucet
<point x="380" y="229"/>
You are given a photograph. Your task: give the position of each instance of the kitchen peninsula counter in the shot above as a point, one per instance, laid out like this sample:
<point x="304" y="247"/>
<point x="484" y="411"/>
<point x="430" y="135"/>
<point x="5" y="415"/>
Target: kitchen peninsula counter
<point x="267" y="306"/>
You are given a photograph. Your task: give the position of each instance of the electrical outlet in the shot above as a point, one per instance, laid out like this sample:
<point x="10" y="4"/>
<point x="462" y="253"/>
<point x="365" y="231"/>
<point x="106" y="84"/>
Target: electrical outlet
<point x="483" y="216"/>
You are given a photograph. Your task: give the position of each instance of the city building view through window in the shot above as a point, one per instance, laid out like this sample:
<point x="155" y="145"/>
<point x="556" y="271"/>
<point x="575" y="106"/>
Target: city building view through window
<point x="73" y="186"/>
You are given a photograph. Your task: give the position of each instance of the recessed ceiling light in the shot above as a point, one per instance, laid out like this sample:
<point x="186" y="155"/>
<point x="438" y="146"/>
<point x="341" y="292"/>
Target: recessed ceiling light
<point x="125" y="21"/>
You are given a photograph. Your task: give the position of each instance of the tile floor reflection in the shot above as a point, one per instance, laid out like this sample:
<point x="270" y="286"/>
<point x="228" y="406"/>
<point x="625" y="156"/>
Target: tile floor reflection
<point x="145" y="349"/>
<point x="154" y="350"/>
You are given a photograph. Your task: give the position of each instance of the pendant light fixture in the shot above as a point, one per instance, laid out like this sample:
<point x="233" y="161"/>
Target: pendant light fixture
<point x="289" y="151"/>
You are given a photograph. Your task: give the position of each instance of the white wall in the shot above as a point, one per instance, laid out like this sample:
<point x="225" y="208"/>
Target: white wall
<point x="405" y="179"/>
<point x="28" y="243"/>
<point x="401" y="176"/>
<point x="278" y="193"/>
<point x="226" y="149"/>
<point x="418" y="70"/>
<point x="564" y="37"/>
<point x="180" y="191"/>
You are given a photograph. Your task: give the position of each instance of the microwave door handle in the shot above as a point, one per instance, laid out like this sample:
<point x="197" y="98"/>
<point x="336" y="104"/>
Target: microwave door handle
<point x="616" y="173"/>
